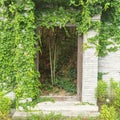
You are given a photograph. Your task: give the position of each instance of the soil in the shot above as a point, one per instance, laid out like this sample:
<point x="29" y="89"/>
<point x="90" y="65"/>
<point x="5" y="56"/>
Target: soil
<point x="55" y="91"/>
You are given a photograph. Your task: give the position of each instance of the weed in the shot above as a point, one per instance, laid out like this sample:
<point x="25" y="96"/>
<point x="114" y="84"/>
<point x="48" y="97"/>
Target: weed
<point x="5" y="104"/>
<point x="101" y="92"/>
<point x="66" y="84"/>
<point x="108" y="113"/>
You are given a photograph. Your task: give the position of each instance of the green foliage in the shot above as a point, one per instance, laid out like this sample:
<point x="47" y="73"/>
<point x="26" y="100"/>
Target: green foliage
<point x="101" y="91"/>
<point x="17" y="35"/>
<point x="109" y="95"/>
<point x="115" y="94"/>
<point x="17" y="44"/>
<point x="50" y="116"/>
<point x="79" y="13"/>
<point x="113" y="88"/>
<point x="117" y="99"/>
<point x="66" y="84"/>
<point x="55" y="13"/>
<point x="72" y="74"/>
<point x="5" y="105"/>
<point x="44" y="99"/>
<point x="53" y="62"/>
<point x="100" y="75"/>
<point x="53" y="116"/>
<point x="108" y="113"/>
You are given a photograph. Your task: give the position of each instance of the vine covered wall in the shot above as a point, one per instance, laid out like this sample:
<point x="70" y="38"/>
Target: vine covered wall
<point x="18" y="41"/>
<point x="17" y="48"/>
<point x="80" y="12"/>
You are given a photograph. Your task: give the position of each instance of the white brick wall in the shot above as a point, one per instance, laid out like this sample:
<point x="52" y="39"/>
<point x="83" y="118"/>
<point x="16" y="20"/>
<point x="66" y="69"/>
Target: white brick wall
<point x="111" y="65"/>
<point x="90" y="71"/>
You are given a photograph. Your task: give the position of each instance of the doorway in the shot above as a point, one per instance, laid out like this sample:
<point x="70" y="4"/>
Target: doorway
<point x="60" y="62"/>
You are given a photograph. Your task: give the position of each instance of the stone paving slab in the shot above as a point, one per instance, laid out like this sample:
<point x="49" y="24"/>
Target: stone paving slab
<point x="65" y="108"/>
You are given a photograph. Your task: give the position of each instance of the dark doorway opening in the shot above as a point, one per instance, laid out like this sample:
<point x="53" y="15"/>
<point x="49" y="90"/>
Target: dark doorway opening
<point x="60" y="63"/>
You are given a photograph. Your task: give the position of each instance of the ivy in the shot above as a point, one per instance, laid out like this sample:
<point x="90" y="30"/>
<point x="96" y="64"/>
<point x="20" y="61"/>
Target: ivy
<point x="17" y="35"/>
<point x="79" y="12"/>
<point x="17" y="44"/>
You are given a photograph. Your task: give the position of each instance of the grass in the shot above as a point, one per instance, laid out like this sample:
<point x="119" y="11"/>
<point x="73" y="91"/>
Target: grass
<point x="53" y="116"/>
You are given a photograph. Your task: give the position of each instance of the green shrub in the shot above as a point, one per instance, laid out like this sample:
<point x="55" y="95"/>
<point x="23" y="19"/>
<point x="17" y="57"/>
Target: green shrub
<point x="108" y="113"/>
<point x="66" y="84"/>
<point x="101" y="92"/>
<point x="113" y="87"/>
<point x="5" y="104"/>
<point x="115" y="94"/>
<point x="116" y="101"/>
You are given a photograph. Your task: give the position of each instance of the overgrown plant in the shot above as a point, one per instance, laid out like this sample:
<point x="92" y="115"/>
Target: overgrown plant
<point x="108" y="113"/>
<point x="115" y="94"/>
<point x="50" y="14"/>
<point x="101" y="92"/>
<point x="54" y="116"/>
<point x="109" y="94"/>
<point x="17" y="41"/>
<point x="66" y="84"/>
<point x="17" y="44"/>
<point x="5" y="105"/>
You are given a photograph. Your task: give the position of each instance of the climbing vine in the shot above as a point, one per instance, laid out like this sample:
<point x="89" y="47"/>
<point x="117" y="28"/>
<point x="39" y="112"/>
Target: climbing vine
<point x="59" y="13"/>
<point x="80" y="12"/>
<point x="18" y="41"/>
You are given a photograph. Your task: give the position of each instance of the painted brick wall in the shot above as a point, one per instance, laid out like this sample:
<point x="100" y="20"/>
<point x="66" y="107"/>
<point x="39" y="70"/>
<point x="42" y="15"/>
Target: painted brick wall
<point x="90" y="68"/>
<point x="90" y="71"/>
<point x="111" y="66"/>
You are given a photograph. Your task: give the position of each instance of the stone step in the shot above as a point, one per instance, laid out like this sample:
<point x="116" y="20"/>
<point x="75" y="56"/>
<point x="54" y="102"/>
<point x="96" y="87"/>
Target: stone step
<point x="63" y="98"/>
<point x="66" y="108"/>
